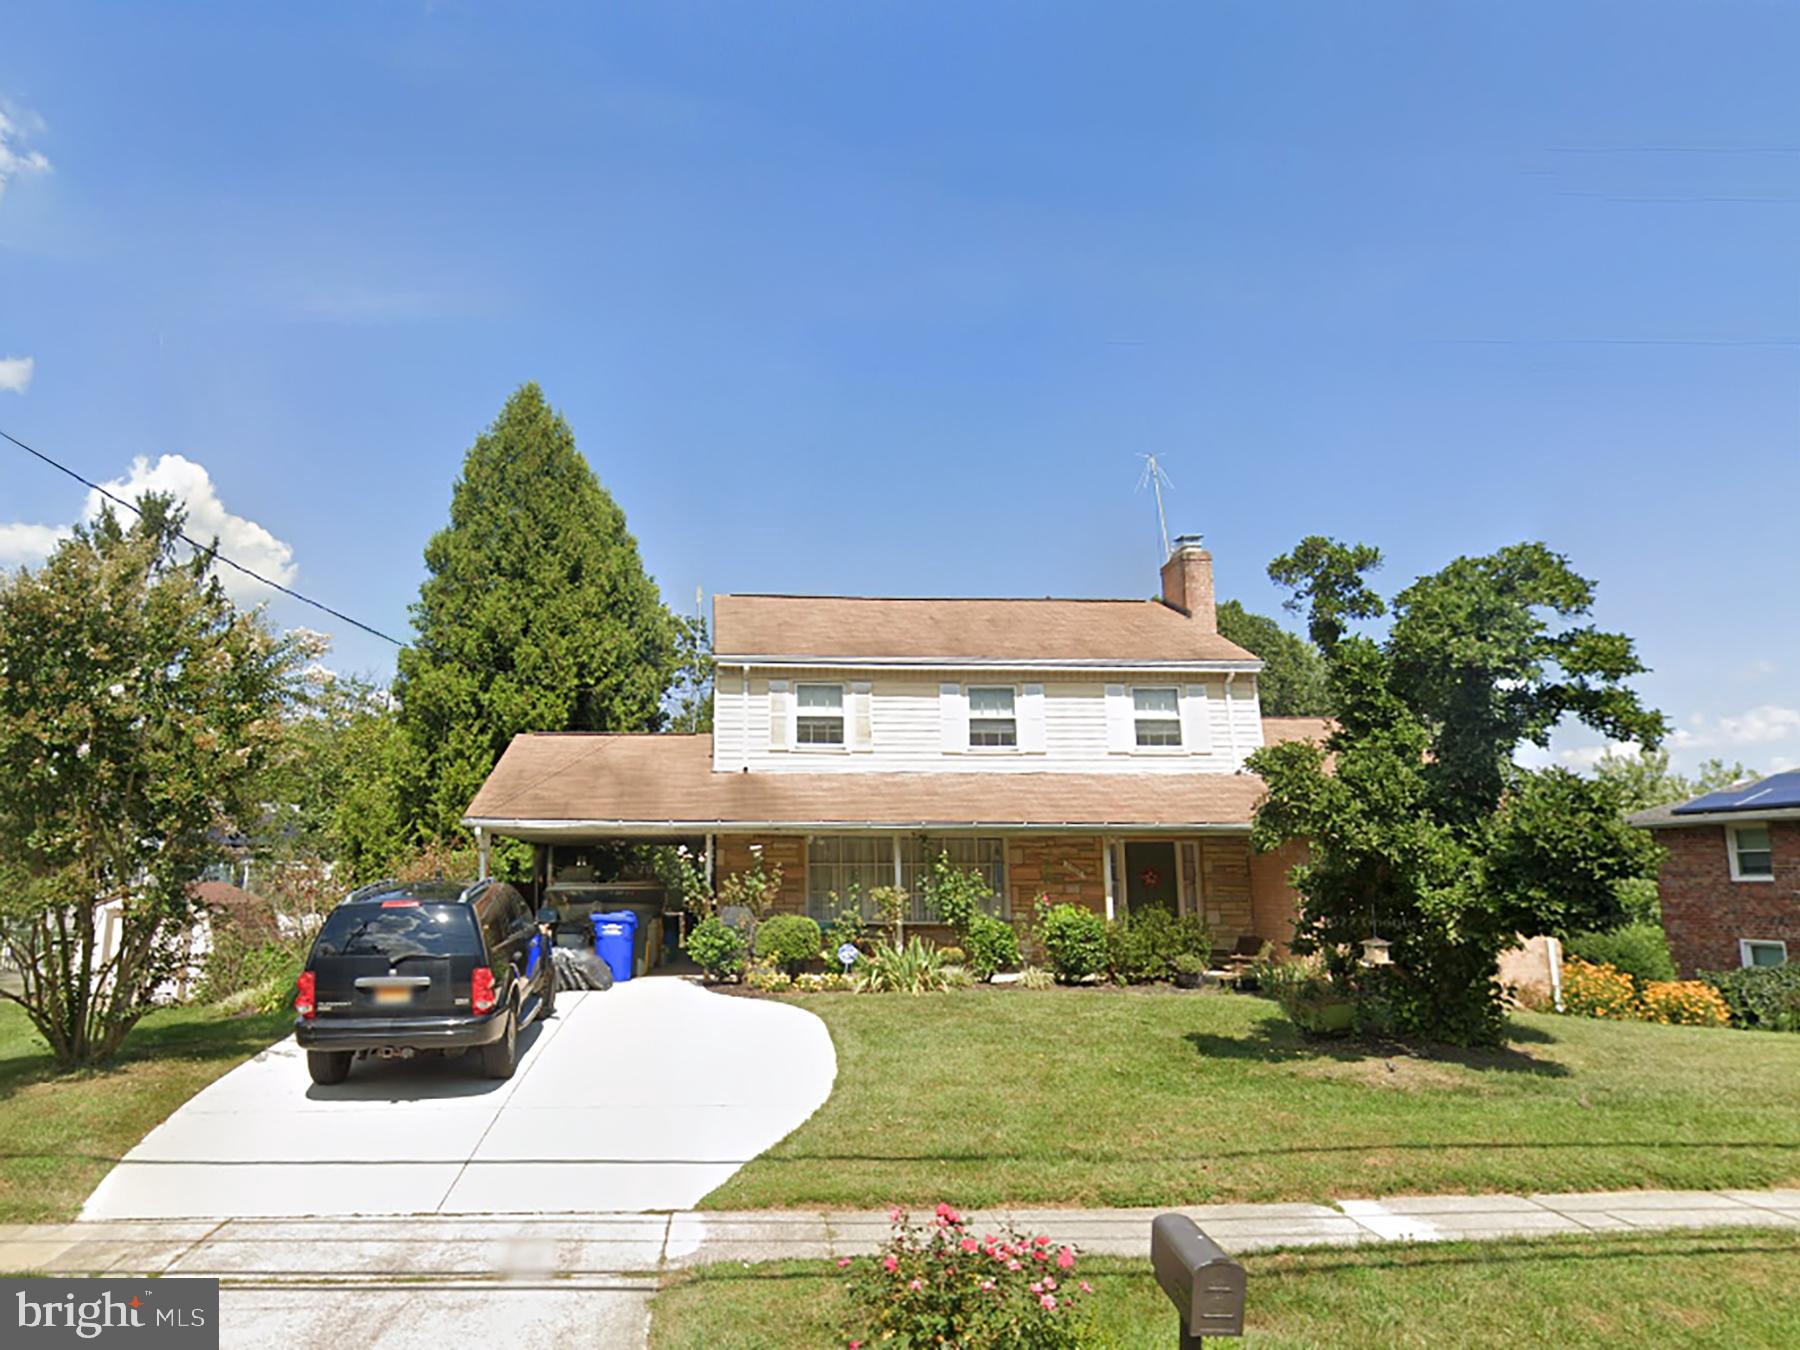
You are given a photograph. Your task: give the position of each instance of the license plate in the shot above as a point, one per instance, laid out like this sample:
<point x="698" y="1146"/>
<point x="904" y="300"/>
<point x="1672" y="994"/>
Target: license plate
<point x="386" y="997"/>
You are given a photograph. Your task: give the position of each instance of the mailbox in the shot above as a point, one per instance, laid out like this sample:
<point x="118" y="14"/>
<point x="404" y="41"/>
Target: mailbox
<point x="1205" y="1285"/>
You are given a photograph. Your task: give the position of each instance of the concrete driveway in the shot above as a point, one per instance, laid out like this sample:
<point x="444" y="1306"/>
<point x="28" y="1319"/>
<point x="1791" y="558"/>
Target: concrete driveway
<point x="644" y="1097"/>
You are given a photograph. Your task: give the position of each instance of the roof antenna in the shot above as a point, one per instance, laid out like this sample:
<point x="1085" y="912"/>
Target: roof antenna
<point x="1155" y="479"/>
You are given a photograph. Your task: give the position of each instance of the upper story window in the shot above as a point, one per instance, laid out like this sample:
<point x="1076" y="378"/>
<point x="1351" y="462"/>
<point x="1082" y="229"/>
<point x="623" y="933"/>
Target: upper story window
<point x="819" y="717"/>
<point x="1751" y="857"/>
<point x="991" y="718"/>
<point x="1157" y="714"/>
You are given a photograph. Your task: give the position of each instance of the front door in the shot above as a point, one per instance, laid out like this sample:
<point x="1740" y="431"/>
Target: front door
<point x="1150" y="881"/>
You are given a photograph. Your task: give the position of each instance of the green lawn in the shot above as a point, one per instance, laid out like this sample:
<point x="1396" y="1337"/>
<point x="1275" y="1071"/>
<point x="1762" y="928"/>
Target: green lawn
<point x="1726" y="1289"/>
<point x="1147" y="1097"/>
<point x="60" y="1133"/>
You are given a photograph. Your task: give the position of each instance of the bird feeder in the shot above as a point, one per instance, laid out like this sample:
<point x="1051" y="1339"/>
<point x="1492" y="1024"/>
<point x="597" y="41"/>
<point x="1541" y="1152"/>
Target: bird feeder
<point x="1375" y="952"/>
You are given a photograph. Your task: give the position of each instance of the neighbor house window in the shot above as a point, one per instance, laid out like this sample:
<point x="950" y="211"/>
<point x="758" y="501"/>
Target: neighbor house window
<point x="1158" y="715"/>
<point x="847" y="867"/>
<point x="820" y="719"/>
<point x="991" y="720"/>
<point x="1751" y="859"/>
<point x="1762" y="952"/>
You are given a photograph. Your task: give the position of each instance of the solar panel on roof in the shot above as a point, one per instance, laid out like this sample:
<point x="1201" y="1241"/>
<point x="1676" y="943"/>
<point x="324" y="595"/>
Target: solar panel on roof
<point x="1778" y="792"/>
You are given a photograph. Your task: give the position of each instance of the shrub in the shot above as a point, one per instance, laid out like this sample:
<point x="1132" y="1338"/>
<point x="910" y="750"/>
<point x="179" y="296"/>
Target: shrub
<point x="767" y="978"/>
<point x="993" y="946"/>
<point x="1036" y="977"/>
<point x="789" y="940"/>
<point x="717" y="948"/>
<point x="1143" y="948"/>
<point x="916" y="968"/>
<point x="1598" y="991"/>
<point x="1189" y="965"/>
<point x="1688" y="1003"/>
<point x="956" y="895"/>
<point x="891" y="904"/>
<point x="845" y="923"/>
<point x="954" y="956"/>
<point x="755" y="889"/>
<point x="1074" y="940"/>
<point x="1640" y="950"/>
<point x="940" y="1285"/>
<point x="1766" y="997"/>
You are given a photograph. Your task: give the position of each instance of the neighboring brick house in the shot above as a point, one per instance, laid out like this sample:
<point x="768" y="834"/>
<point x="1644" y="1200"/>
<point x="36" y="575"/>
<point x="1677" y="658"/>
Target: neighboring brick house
<point x="1088" y="750"/>
<point x="1730" y="881"/>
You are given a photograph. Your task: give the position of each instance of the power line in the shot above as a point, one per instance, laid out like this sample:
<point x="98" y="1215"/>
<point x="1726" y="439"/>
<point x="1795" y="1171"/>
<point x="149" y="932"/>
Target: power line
<point x="211" y="550"/>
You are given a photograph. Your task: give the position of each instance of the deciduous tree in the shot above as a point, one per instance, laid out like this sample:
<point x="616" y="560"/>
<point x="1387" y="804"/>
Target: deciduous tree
<point x="1422" y="828"/>
<point x="138" y="709"/>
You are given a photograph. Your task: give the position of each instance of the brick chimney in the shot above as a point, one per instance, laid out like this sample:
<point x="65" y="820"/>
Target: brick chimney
<point x="1187" y="582"/>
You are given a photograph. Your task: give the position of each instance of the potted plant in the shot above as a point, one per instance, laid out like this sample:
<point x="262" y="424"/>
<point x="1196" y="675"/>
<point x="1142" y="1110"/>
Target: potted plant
<point x="1190" y="971"/>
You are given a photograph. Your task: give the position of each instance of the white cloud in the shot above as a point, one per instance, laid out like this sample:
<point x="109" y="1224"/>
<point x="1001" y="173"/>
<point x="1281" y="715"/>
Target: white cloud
<point x="189" y="483"/>
<point x="1765" y="724"/>
<point x="14" y="158"/>
<point x="15" y="373"/>
<point x="240" y="539"/>
<point x="23" y="543"/>
<point x="1587" y="756"/>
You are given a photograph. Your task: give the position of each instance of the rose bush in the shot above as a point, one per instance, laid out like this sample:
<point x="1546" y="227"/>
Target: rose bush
<point x="939" y="1284"/>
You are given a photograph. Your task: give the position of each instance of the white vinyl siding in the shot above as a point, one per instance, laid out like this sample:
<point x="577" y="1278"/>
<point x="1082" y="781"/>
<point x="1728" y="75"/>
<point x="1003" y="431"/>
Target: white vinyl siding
<point x="1752" y="858"/>
<point x="920" y="723"/>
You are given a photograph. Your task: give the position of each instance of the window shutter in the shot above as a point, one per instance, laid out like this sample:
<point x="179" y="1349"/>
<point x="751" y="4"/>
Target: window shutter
<point x="1196" y="720"/>
<point x="861" y="716"/>
<point x="953" y="712"/>
<point x="779" y="720"/>
<point x="1120" y="738"/>
<point x="1031" y="719"/>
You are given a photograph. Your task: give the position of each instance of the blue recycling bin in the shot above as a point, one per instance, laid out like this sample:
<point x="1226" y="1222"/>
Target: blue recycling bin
<point x="615" y="941"/>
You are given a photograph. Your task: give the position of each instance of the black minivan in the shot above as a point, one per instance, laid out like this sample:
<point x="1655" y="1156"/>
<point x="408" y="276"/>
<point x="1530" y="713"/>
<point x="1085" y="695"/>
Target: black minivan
<point x="404" y="967"/>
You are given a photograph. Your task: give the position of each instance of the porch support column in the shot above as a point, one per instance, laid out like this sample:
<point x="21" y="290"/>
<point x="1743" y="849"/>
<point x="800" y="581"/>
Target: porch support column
<point x="1106" y="849"/>
<point x="481" y="851"/>
<point x="709" y="862"/>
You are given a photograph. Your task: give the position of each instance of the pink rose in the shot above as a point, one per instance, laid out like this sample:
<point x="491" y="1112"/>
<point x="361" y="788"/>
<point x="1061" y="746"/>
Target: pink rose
<point x="1086" y="1288"/>
<point x="889" y="1264"/>
<point x="916" y="1284"/>
<point x="986" y="1285"/>
<point x="1065" y="1258"/>
<point x="968" y="1244"/>
<point x="1037" y="1288"/>
<point x="896" y="1214"/>
<point x="1012" y="1265"/>
<point x="843" y="1261"/>
<point x="1048" y="1301"/>
<point x="1049" y="1282"/>
<point x="1040" y="1241"/>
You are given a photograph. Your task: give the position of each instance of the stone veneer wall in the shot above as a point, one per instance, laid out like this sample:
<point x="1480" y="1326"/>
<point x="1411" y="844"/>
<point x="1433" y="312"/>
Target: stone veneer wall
<point x="1705" y="912"/>
<point x="1070" y="869"/>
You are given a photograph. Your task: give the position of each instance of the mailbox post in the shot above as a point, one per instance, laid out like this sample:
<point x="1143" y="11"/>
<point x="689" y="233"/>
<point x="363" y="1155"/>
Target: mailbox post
<point x="1205" y="1285"/>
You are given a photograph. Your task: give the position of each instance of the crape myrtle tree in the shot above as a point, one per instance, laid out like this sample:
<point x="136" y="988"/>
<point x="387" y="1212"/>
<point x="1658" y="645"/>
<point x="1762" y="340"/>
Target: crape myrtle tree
<point x="1423" y="829"/>
<point x="138" y="709"/>
<point x="536" y="614"/>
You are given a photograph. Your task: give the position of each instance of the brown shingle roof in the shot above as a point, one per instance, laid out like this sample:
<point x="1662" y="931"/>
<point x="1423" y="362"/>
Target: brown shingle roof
<point x="851" y="627"/>
<point x="669" y="782"/>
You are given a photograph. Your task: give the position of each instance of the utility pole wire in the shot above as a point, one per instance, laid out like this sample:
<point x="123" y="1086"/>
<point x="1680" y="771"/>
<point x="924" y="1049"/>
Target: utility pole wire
<point x="211" y="550"/>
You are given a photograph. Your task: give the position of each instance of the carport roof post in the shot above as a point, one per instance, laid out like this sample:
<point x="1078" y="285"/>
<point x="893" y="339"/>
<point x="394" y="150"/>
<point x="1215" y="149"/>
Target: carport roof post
<point x="481" y="850"/>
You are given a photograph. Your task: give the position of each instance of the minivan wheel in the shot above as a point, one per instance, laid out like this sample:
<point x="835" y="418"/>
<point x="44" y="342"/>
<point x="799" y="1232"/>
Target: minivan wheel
<point x="499" y="1058"/>
<point x="328" y="1066"/>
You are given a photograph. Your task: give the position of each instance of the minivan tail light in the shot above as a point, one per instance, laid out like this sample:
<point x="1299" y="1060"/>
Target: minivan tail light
<point x="481" y="990"/>
<point x="305" y="1000"/>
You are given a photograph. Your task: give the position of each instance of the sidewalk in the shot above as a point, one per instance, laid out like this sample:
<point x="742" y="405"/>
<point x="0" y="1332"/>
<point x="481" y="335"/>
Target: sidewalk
<point x="595" y="1250"/>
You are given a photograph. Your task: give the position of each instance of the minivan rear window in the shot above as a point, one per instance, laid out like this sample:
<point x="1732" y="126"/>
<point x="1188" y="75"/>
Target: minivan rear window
<point x="425" y="929"/>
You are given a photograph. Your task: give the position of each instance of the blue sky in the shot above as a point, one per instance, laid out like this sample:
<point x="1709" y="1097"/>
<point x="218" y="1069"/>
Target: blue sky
<point x="887" y="298"/>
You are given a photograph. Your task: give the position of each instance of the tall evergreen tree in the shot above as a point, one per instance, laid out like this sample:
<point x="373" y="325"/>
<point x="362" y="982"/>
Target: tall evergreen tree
<point x="536" y="615"/>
